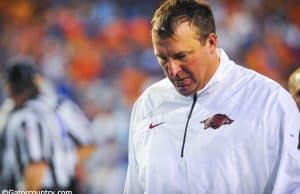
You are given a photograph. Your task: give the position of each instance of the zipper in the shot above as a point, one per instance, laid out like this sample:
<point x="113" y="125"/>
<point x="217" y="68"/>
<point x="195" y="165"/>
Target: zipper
<point x="187" y="124"/>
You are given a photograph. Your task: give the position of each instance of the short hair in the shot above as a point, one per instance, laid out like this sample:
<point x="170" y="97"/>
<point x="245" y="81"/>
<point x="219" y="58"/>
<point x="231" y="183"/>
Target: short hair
<point x="173" y="12"/>
<point x="20" y="75"/>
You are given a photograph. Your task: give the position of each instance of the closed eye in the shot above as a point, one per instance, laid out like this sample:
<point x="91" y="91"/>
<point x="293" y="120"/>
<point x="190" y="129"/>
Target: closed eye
<point x="180" y="57"/>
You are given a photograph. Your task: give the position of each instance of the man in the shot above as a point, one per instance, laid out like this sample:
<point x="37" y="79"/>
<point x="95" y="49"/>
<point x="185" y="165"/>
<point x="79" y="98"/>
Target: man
<point x="34" y="148"/>
<point x="71" y="121"/>
<point x="33" y="154"/>
<point x="294" y="86"/>
<point x="212" y="126"/>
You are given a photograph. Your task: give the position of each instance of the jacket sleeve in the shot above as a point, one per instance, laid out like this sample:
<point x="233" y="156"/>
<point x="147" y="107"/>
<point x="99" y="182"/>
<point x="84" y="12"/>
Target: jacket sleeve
<point x="132" y="184"/>
<point x="76" y="123"/>
<point x="287" y="179"/>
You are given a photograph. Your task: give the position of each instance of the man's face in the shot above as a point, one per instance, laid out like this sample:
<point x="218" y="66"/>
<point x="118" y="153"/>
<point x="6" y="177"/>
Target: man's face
<point x="184" y="59"/>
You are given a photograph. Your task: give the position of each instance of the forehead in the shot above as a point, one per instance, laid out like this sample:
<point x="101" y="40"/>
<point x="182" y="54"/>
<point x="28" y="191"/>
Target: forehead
<point x="185" y="36"/>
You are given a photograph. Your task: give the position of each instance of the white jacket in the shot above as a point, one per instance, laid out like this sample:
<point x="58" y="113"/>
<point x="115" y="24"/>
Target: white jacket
<point x="254" y="154"/>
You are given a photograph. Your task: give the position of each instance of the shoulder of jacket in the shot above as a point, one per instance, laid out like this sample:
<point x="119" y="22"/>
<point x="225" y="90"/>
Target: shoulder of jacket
<point x="268" y="89"/>
<point x="153" y="96"/>
<point x="256" y="80"/>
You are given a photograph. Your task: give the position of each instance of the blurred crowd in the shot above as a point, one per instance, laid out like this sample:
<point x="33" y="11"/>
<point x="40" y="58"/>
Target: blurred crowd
<point x="99" y="54"/>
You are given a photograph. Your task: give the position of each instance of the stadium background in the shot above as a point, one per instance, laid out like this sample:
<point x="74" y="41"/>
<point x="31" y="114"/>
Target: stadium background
<point x="99" y="53"/>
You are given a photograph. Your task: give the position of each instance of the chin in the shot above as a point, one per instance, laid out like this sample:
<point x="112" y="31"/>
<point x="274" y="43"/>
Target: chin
<point x="185" y="93"/>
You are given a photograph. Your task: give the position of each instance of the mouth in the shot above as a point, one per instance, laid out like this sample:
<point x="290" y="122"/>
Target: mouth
<point x="183" y="82"/>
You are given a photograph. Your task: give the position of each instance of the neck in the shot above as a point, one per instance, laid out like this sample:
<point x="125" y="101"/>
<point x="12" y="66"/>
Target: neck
<point x="21" y="99"/>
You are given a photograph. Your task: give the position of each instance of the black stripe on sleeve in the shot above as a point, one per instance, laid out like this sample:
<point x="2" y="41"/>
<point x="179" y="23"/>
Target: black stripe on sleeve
<point x="74" y="139"/>
<point x="41" y="139"/>
<point x="26" y="146"/>
<point x="52" y="167"/>
<point x="20" y="165"/>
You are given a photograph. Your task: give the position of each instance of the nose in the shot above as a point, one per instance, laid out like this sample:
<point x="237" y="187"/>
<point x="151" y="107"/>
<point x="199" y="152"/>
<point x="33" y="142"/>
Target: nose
<point x="174" y="68"/>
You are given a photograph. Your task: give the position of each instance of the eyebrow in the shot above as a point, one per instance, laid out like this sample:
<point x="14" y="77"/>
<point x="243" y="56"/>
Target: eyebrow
<point x="176" y="54"/>
<point x="183" y="53"/>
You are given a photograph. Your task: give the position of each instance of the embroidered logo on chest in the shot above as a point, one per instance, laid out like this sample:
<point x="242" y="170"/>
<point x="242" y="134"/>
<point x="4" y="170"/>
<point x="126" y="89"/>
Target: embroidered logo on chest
<point x="217" y="121"/>
<point x="151" y="126"/>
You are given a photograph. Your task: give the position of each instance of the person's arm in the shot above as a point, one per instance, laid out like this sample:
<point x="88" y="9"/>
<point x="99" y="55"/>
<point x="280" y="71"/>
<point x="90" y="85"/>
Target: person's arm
<point x="33" y="175"/>
<point x="84" y="152"/>
<point x="78" y="129"/>
<point x="132" y="184"/>
<point x="77" y="124"/>
<point x="287" y="177"/>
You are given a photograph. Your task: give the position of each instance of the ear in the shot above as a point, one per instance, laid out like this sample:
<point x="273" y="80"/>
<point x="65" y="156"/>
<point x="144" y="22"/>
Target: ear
<point x="38" y="80"/>
<point x="212" y="40"/>
<point x="7" y="89"/>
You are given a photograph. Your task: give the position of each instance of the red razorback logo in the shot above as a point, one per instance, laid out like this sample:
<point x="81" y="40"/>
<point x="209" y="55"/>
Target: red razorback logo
<point x="151" y="126"/>
<point x="216" y="121"/>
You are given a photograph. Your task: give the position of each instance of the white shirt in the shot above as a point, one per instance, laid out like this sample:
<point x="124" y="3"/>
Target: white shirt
<point x="256" y="153"/>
